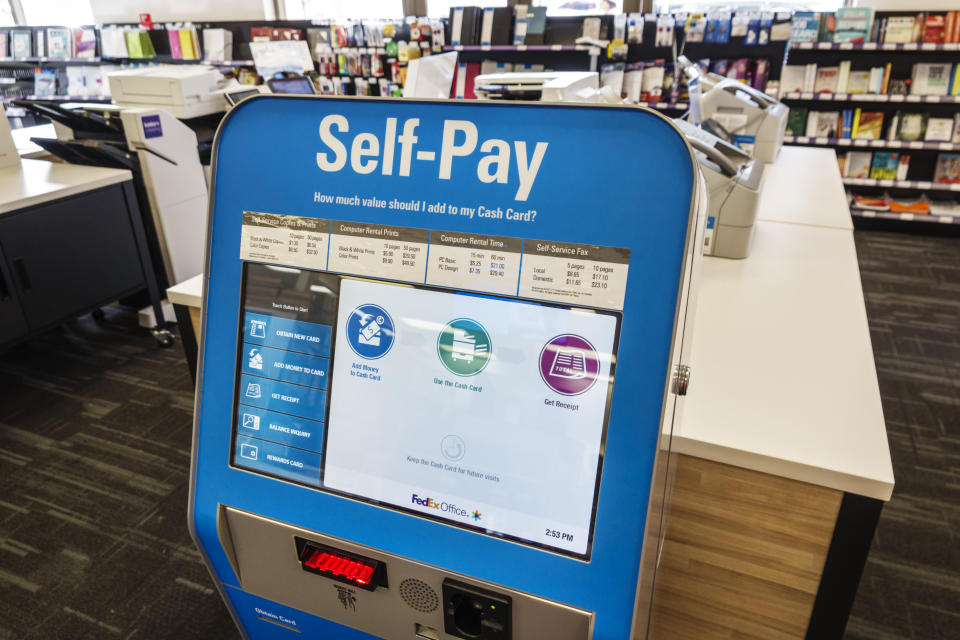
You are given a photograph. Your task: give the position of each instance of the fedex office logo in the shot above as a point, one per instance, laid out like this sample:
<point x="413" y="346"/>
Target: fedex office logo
<point x="151" y="126"/>
<point x="461" y="151"/>
<point x="446" y="507"/>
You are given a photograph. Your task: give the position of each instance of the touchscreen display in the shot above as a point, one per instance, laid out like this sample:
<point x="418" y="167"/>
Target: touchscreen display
<point x="480" y="411"/>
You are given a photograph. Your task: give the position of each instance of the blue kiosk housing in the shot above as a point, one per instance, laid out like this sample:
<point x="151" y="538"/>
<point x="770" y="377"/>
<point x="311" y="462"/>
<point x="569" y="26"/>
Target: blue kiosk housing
<point x="437" y="366"/>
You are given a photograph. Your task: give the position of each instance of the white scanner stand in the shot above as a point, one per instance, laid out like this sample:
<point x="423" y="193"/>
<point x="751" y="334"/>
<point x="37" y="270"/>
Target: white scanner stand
<point x="756" y="121"/>
<point x="733" y="182"/>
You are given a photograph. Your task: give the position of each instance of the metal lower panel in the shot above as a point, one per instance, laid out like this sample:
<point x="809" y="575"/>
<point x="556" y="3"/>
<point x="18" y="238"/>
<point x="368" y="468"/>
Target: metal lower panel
<point x="266" y="560"/>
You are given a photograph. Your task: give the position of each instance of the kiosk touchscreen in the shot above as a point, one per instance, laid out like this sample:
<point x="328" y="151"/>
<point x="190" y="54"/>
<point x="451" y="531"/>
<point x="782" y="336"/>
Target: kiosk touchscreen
<point x="437" y="353"/>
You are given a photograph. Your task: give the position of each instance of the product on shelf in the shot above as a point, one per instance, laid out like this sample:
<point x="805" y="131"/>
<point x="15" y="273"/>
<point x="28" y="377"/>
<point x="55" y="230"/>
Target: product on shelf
<point x="948" y="168"/>
<point x="853" y="24"/>
<point x="884" y="165"/>
<point x="872" y="203"/>
<point x="867" y="125"/>
<point x="917" y="205"/>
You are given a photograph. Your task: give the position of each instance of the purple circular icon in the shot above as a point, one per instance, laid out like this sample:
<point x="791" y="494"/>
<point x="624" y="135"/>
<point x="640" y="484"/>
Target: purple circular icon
<point x="569" y="364"/>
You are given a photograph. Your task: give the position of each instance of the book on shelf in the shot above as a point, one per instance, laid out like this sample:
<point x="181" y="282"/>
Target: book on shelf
<point x="4" y="43"/>
<point x="805" y="26"/>
<point x="899" y="29"/>
<point x="823" y="124"/>
<point x="939" y="130"/>
<point x="933" y="29"/>
<point x="796" y="121"/>
<point x="930" y="79"/>
<point x="858" y="164"/>
<point x="869" y="125"/>
<point x="955" y="139"/>
<point x="846" y="123"/>
<point x="853" y="24"/>
<point x="858" y="82"/>
<point x="843" y="76"/>
<point x="826" y="80"/>
<point x="903" y="166"/>
<point x="947" y="168"/>
<point x="810" y="78"/>
<point x="911" y="127"/>
<point x="898" y="87"/>
<point x="792" y="77"/>
<point x="828" y="25"/>
<point x="884" y="165"/>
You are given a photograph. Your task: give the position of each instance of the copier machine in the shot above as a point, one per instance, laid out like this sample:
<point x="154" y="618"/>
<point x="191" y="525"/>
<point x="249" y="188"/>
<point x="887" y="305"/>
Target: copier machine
<point x="755" y="121"/>
<point x="160" y="128"/>
<point x="545" y="86"/>
<point x="733" y="181"/>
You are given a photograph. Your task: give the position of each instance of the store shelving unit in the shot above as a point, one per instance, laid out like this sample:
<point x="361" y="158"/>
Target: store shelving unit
<point x="824" y="96"/>
<point x="923" y="154"/>
<point x="856" y="144"/>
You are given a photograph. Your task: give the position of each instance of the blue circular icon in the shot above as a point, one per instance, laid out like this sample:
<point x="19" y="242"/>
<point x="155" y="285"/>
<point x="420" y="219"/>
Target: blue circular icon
<point x="370" y="331"/>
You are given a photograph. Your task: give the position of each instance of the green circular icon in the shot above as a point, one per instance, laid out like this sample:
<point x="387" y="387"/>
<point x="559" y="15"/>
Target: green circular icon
<point x="464" y="347"/>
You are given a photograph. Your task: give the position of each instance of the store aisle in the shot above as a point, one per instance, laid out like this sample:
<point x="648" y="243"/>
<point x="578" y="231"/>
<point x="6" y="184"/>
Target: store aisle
<point x="95" y="426"/>
<point x="911" y="586"/>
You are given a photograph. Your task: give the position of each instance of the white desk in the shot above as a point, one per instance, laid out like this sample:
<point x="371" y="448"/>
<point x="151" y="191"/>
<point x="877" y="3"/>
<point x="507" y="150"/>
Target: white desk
<point x="804" y="187"/>
<point x="782" y="373"/>
<point x="38" y="181"/>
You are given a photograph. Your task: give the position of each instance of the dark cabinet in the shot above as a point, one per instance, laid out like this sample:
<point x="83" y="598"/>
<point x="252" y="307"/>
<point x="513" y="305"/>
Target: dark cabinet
<point x="67" y="256"/>
<point x="12" y="322"/>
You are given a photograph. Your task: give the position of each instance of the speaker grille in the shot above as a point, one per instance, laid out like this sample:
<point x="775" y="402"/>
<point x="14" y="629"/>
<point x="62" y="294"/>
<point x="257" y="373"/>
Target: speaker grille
<point x="419" y="595"/>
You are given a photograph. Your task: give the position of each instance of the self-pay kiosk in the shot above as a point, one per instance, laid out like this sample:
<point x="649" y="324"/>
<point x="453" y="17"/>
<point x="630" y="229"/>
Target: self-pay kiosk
<point x="442" y="350"/>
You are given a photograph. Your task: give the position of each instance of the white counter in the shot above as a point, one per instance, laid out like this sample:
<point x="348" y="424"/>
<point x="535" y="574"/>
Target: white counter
<point x="804" y="187"/>
<point x="783" y="379"/>
<point x="188" y="293"/>
<point x="782" y="373"/>
<point x="38" y="181"/>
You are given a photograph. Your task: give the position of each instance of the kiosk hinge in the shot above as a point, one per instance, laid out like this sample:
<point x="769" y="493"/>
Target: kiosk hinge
<point x="681" y="379"/>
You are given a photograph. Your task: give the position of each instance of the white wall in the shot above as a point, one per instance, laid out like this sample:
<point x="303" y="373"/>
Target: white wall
<point x="912" y="6"/>
<point x="179" y="10"/>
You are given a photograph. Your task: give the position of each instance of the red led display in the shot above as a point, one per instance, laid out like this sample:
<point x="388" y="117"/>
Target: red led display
<point x="324" y="562"/>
